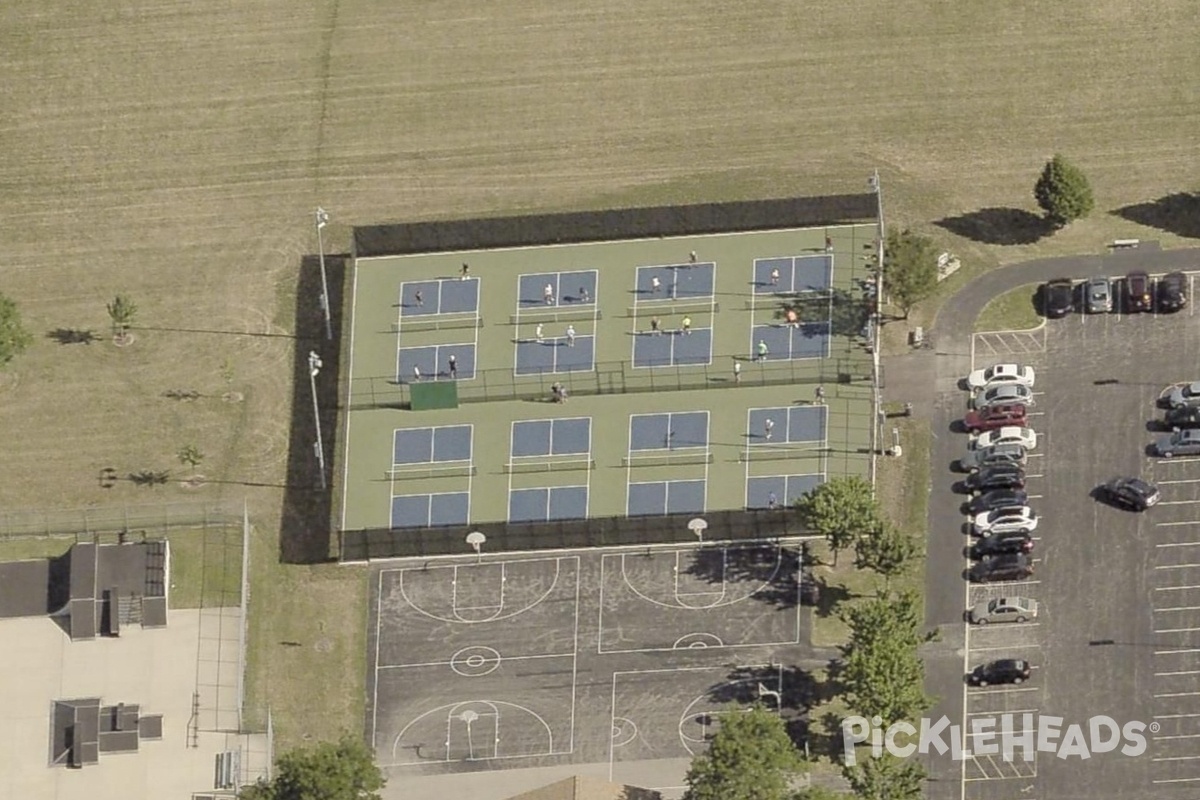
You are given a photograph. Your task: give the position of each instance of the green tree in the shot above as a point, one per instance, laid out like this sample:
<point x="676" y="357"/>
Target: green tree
<point x="886" y="550"/>
<point x="122" y="311"/>
<point x="886" y="778"/>
<point x="910" y="268"/>
<point x="341" y="770"/>
<point x="840" y="510"/>
<point x="749" y="758"/>
<point x="13" y="336"/>
<point x="882" y="672"/>
<point x="190" y="455"/>
<point x="1063" y="192"/>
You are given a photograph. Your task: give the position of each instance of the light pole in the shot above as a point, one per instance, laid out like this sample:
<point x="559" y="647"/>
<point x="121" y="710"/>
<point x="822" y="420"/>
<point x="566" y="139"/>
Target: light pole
<point x="322" y="221"/>
<point x="314" y="366"/>
<point x="877" y="323"/>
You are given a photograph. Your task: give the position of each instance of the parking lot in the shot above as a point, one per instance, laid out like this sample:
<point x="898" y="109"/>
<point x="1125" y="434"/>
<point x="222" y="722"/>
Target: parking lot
<point x="1119" y="628"/>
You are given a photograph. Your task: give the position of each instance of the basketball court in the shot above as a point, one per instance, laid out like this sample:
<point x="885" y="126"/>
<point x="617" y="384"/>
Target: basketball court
<point x="617" y="657"/>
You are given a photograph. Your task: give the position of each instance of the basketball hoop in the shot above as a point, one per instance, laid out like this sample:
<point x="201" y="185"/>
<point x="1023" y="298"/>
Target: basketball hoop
<point x="698" y="526"/>
<point x="476" y="540"/>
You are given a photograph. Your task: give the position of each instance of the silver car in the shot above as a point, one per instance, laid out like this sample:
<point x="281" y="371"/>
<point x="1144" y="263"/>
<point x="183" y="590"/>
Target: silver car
<point x="1004" y="609"/>
<point x="1187" y="394"/>
<point x="1183" y="443"/>
<point x="976" y="460"/>
<point x="1001" y="394"/>
<point x="1098" y="297"/>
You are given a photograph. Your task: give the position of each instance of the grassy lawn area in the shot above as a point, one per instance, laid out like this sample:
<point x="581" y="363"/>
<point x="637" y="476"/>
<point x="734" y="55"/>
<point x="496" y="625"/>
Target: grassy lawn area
<point x="1012" y="311"/>
<point x="903" y="491"/>
<point x="189" y="185"/>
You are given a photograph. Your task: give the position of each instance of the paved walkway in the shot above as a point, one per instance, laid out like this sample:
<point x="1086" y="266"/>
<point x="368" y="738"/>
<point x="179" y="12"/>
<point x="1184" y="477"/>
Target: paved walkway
<point x="929" y="379"/>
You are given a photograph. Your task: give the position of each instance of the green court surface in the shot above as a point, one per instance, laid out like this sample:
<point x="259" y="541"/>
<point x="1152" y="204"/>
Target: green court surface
<point x="652" y="423"/>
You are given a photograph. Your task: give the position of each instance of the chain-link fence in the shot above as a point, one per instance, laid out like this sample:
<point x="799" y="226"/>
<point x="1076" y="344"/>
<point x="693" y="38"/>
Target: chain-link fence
<point x="151" y="518"/>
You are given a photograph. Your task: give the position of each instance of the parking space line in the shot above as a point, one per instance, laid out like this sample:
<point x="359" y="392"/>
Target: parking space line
<point x="1166" y="461"/>
<point x="1035" y="475"/>
<point x="1020" y="626"/>
<point x="1176" y="716"/>
<point x="1178" y="651"/>
<point x="1188" y="480"/>
<point x="1181" y="672"/>
<point x="1178" y="544"/>
<point x="1177" y="780"/>
<point x="1175" y="758"/>
<point x="1178" y="502"/>
<point x="1001" y="711"/>
<point x="1179" y="608"/>
<point x="1176" y="588"/>
<point x="1179" y="694"/>
<point x="1176" y="524"/>
<point x="1177" y="630"/>
<point x="1176" y="566"/>
<point x="1178" y="736"/>
<point x="1035" y="413"/>
<point x="978" y="692"/>
<point x="1035" y="496"/>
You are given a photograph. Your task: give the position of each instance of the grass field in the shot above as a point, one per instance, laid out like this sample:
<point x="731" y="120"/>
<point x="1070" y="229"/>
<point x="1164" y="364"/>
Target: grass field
<point x="175" y="152"/>
<point x="1012" y="311"/>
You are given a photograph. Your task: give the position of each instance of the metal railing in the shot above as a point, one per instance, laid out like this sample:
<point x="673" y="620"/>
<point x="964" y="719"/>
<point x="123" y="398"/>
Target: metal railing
<point x="113" y="519"/>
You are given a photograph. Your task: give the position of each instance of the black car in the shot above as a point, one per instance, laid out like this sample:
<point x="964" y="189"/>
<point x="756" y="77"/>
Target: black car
<point x="1006" y="670"/>
<point x="1182" y="417"/>
<point x="1015" y="567"/>
<point x="1058" y="298"/>
<point x="1003" y="476"/>
<point x="1172" y="292"/>
<point x="997" y="498"/>
<point x="1132" y="493"/>
<point x="1137" y="292"/>
<point x="1002" y="544"/>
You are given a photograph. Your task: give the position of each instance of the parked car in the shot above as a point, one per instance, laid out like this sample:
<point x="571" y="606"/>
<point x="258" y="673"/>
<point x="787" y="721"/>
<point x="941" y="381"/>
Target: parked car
<point x="1005" y="670"/>
<point x="1182" y="417"/>
<point x="1137" y="292"/>
<point x="997" y="476"/>
<point x="1172" y="292"/>
<point x="1016" y="567"/>
<point x="1181" y="443"/>
<point x="991" y="417"/>
<point x="1185" y="394"/>
<point x="1058" y="298"/>
<point x="1004" y="394"/>
<point x="1132" y="493"/>
<point x="1097" y="295"/>
<point x="997" y="498"/>
<point x="991" y="456"/>
<point x="1014" y="519"/>
<point x="1001" y="544"/>
<point x="1000" y="373"/>
<point x="1010" y="434"/>
<point x="1004" y="609"/>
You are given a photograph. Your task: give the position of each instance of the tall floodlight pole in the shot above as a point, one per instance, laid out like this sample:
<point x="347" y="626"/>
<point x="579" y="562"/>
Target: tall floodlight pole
<point x="314" y="367"/>
<point x="877" y="323"/>
<point x="322" y="221"/>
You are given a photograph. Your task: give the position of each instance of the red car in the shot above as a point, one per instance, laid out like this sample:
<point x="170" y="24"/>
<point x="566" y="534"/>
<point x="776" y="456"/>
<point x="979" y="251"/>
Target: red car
<point x="987" y="419"/>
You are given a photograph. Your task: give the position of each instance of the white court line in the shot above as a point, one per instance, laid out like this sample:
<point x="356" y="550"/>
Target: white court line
<point x="448" y="663"/>
<point x="1001" y="712"/>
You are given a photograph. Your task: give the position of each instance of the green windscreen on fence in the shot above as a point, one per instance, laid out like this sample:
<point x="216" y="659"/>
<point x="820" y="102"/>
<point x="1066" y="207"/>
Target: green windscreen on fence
<point x="428" y="396"/>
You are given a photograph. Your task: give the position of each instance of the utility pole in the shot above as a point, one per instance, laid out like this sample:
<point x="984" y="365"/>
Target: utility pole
<point x="322" y="221"/>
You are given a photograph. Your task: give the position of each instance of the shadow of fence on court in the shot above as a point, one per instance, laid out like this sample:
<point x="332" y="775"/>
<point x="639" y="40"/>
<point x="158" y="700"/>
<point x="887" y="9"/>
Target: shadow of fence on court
<point x="505" y="537"/>
<point x="620" y="377"/>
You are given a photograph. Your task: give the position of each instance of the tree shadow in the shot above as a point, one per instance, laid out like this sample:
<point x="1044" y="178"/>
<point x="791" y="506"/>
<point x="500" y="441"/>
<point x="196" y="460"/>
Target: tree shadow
<point x="1177" y="213"/>
<point x="847" y="314"/>
<point x="999" y="225"/>
<point x="768" y="574"/>
<point x="149" y="477"/>
<point x="73" y="336"/>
